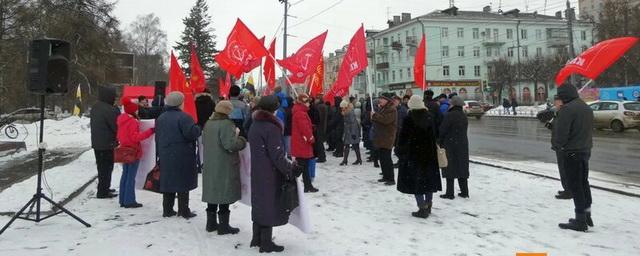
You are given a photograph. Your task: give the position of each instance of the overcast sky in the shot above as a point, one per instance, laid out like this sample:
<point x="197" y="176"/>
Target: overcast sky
<point x="340" y="17"/>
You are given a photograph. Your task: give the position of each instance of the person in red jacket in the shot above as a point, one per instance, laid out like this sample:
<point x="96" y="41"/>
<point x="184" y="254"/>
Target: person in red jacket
<point x="302" y="138"/>
<point x="129" y="135"/>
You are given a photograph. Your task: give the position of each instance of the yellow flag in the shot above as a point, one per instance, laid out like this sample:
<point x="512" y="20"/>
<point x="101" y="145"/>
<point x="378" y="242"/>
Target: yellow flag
<point x="250" y="81"/>
<point x="78" y="104"/>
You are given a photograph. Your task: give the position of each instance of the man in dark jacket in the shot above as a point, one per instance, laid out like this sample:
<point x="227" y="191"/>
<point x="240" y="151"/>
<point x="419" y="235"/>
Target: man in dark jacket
<point x="385" y="124"/>
<point x="565" y="193"/>
<point x="573" y="137"/>
<point x="336" y="128"/>
<point x="103" y="138"/>
<point x="320" y="111"/>
<point x="434" y="108"/>
<point x="176" y="135"/>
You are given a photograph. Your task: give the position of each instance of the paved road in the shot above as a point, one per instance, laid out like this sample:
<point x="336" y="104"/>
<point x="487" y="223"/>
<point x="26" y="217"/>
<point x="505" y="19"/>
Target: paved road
<point x="528" y="139"/>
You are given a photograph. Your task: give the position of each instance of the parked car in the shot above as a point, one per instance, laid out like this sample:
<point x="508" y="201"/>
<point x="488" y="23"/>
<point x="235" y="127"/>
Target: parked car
<point x="616" y="115"/>
<point x="473" y="108"/>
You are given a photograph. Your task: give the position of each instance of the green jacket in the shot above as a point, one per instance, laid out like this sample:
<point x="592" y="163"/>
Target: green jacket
<point x="221" y="172"/>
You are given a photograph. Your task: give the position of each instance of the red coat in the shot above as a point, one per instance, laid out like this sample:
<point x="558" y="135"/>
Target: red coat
<point x="129" y="132"/>
<point x="301" y="132"/>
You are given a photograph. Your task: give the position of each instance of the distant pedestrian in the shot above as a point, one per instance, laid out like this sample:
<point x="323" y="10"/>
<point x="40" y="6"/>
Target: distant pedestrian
<point x="351" y="136"/>
<point x="302" y="139"/>
<point x="453" y="138"/>
<point x="240" y="109"/>
<point x="129" y="135"/>
<point x="565" y="193"/>
<point x="385" y="124"/>
<point x="418" y="174"/>
<point x="221" y="173"/>
<point x="176" y="135"/>
<point x="506" y="105"/>
<point x="514" y="105"/>
<point x="270" y="169"/>
<point x="434" y="108"/>
<point x="103" y="138"/>
<point x="573" y="138"/>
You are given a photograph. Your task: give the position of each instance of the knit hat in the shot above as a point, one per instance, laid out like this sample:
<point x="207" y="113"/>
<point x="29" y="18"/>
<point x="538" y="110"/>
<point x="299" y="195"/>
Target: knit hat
<point x="174" y="99"/>
<point x="224" y="107"/>
<point x="344" y="104"/>
<point x="269" y="103"/>
<point x="415" y="102"/>
<point x="456" y="101"/>
<point x="302" y="98"/>
<point x="129" y="107"/>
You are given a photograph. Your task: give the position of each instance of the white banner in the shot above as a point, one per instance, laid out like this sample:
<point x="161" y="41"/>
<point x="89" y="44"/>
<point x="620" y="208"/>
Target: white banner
<point x="148" y="160"/>
<point x="299" y="217"/>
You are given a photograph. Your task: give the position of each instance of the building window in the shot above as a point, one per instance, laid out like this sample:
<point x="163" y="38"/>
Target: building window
<point x="400" y="74"/>
<point x="583" y="35"/>
<point x="523" y="34"/>
<point x="538" y="34"/>
<point x="460" y="32"/>
<point x="409" y="73"/>
<point x="407" y="54"/>
<point x="393" y="75"/>
<point x="476" y="33"/>
<point x="476" y="71"/>
<point x="539" y="52"/>
<point x="495" y="34"/>
<point x="445" y="70"/>
<point x="385" y="42"/>
<point x="525" y="51"/>
<point x="488" y="52"/>
<point x="393" y="56"/>
<point x="509" y="33"/>
<point x="445" y="51"/>
<point x="379" y="77"/>
<point x="476" y="51"/>
<point x="444" y="32"/>
<point x="461" y="70"/>
<point x="487" y="33"/>
<point x="460" y="51"/>
<point x="510" y="52"/>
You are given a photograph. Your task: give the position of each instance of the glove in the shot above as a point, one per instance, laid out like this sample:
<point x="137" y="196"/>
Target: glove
<point x="548" y="125"/>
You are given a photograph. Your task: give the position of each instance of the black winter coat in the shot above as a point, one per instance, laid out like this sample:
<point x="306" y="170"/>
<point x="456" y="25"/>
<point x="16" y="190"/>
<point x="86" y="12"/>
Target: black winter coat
<point x="418" y="172"/>
<point x="176" y="135"/>
<point x="103" y="120"/>
<point x="204" y="108"/>
<point x="269" y="170"/>
<point x="453" y="136"/>
<point x="434" y="109"/>
<point x="573" y="127"/>
<point x="323" y="120"/>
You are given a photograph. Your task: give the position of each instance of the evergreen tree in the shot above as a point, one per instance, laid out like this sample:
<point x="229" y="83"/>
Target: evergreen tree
<point x="197" y="30"/>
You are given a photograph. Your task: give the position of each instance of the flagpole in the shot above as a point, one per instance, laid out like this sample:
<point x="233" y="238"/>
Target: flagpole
<point x="260" y="75"/>
<point x="585" y="85"/>
<point x="369" y="86"/>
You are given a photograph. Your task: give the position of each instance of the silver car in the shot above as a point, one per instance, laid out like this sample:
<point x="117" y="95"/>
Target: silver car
<point x="616" y="115"/>
<point x="473" y="108"/>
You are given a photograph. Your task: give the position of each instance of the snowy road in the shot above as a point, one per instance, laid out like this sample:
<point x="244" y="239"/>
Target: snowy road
<point x="352" y="215"/>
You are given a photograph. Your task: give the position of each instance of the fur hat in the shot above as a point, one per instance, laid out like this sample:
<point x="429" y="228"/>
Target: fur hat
<point x="456" y="101"/>
<point x="224" y="107"/>
<point x="344" y="104"/>
<point x="415" y="102"/>
<point x="129" y="107"/>
<point x="269" y="103"/>
<point x="174" y="99"/>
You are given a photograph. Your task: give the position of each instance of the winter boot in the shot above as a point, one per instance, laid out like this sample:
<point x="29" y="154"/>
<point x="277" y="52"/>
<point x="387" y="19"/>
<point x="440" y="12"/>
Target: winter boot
<point x="266" y="245"/>
<point x="168" y="200"/>
<point x="345" y="156"/>
<point x="564" y="195"/>
<point x="464" y="188"/>
<point x="449" y="192"/>
<point x="223" y="227"/>
<point x="212" y="222"/>
<point x="577" y="224"/>
<point x="429" y="206"/>
<point x="422" y="212"/>
<point x="255" y="239"/>
<point x="358" y="156"/>
<point x="183" y="206"/>
<point x="589" y="220"/>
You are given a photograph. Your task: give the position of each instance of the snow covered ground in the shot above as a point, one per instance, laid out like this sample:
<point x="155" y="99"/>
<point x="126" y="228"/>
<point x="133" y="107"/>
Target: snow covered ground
<point x="523" y="111"/>
<point x="508" y="212"/>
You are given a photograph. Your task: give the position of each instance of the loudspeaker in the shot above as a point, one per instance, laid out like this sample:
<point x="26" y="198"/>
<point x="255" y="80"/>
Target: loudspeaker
<point x="49" y="66"/>
<point x="161" y="88"/>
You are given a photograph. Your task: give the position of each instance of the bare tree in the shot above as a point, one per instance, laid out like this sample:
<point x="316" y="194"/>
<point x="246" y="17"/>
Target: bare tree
<point x="502" y="73"/>
<point x="149" y="42"/>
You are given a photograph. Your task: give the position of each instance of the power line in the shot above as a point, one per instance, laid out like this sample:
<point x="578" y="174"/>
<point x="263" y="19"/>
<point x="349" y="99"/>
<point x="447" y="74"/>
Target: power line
<point x="318" y="14"/>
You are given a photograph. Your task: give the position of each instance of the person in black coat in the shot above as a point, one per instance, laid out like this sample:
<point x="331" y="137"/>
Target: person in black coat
<point x="270" y="169"/>
<point x="329" y="135"/>
<point x="418" y="173"/>
<point x="103" y="138"/>
<point x="453" y="138"/>
<point x="176" y="136"/>
<point x="320" y="129"/>
<point x="573" y="130"/>
<point x="336" y="128"/>
<point x="204" y="107"/>
<point x="514" y="105"/>
<point x="434" y="108"/>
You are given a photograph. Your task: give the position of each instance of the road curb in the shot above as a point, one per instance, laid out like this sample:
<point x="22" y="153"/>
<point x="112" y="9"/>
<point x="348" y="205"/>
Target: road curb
<point x="617" y="191"/>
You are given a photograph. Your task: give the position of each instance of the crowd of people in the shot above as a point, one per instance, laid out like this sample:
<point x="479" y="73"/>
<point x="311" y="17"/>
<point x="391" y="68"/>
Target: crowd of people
<point x="287" y="139"/>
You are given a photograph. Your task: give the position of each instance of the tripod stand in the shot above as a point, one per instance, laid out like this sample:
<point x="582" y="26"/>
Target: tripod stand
<point x="38" y="196"/>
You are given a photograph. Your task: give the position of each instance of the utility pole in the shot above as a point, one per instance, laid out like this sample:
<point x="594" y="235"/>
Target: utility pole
<point x="572" y="52"/>
<point x="284" y="40"/>
<point x="518" y="35"/>
<point x="625" y="19"/>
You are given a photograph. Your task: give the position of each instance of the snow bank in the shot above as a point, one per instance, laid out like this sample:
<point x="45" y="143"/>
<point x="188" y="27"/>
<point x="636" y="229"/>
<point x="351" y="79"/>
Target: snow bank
<point x="523" y="111"/>
<point x="508" y="212"/>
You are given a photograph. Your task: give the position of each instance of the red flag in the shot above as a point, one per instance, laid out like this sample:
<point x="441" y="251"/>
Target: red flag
<point x="255" y="62"/>
<point x="418" y="66"/>
<point x="224" y="87"/>
<point x="317" y="79"/>
<point x="198" y="83"/>
<point x="354" y="61"/>
<point x="302" y="64"/>
<point x="270" y="69"/>
<point x="176" y="76"/>
<point x="596" y="59"/>
<point x="242" y="48"/>
<point x="190" y="104"/>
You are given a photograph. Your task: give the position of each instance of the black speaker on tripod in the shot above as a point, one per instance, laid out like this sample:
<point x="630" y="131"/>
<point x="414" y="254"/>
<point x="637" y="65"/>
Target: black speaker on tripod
<point x="49" y="66"/>
<point x="48" y="74"/>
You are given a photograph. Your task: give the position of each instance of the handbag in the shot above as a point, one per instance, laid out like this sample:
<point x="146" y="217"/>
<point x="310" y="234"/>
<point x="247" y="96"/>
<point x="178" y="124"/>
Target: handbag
<point x="442" y="157"/>
<point x="152" y="182"/>
<point x="289" y="195"/>
<point x="125" y="154"/>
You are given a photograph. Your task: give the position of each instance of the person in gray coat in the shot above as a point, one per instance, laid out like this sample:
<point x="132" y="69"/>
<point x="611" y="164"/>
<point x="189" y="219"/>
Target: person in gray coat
<point x="573" y="130"/>
<point x="176" y="135"/>
<point x="453" y="138"/>
<point x="103" y="138"/>
<point x="351" y="135"/>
